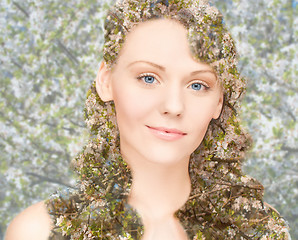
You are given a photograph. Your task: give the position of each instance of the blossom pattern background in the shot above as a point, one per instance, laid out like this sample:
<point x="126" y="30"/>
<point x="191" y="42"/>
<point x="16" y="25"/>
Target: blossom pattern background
<point x="49" y="57"/>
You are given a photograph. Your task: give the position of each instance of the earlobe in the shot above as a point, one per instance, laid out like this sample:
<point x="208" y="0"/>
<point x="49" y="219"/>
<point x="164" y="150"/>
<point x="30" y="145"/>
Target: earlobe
<point x="103" y="83"/>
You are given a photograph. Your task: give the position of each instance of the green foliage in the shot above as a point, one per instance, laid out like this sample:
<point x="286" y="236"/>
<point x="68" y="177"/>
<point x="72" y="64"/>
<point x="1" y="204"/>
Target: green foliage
<point x="49" y="55"/>
<point x="266" y="37"/>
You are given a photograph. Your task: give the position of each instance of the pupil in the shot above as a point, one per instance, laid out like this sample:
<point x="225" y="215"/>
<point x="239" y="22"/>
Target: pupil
<point x="196" y="86"/>
<point x="149" y="79"/>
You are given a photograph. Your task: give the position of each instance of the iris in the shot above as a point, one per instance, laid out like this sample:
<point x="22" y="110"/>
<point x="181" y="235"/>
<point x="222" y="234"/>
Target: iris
<point x="196" y="86"/>
<point x="149" y="79"/>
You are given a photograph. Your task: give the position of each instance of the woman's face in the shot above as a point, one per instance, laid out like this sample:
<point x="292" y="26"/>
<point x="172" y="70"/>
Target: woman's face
<point x="157" y="86"/>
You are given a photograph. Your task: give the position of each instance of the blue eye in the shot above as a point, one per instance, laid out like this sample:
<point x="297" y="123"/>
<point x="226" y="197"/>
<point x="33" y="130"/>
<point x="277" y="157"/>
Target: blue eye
<point x="196" y="86"/>
<point x="149" y="79"/>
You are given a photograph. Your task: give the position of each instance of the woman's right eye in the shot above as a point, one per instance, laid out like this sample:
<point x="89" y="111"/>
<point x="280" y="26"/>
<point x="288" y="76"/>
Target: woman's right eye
<point x="148" y="79"/>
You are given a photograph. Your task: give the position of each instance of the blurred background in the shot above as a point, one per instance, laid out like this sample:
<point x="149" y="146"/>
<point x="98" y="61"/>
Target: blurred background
<point x="49" y="55"/>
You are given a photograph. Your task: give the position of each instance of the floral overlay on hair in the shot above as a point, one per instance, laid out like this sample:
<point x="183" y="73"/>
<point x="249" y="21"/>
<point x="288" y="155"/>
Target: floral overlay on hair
<point x="224" y="203"/>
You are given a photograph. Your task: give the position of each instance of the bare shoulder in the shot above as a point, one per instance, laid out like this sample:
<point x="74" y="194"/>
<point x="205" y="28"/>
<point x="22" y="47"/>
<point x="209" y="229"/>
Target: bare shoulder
<point x="33" y="223"/>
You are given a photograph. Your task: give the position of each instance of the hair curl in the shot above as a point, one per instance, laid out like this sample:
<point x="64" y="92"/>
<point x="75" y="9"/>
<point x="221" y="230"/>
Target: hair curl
<point x="223" y="203"/>
<point x="209" y="41"/>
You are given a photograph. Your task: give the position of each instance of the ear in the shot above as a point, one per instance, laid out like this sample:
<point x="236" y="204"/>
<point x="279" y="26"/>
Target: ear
<point x="104" y="83"/>
<point x="219" y="106"/>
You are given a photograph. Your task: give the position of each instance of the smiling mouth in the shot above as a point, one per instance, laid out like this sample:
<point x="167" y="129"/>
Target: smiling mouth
<point x="168" y="134"/>
<point x="167" y="130"/>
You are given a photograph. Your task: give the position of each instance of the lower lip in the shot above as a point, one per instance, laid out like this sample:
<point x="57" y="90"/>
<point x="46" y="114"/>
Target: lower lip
<point x="164" y="135"/>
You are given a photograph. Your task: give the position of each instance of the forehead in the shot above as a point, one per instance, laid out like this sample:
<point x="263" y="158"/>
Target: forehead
<point x="162" y="41"/>
<point x="155" y="33"/>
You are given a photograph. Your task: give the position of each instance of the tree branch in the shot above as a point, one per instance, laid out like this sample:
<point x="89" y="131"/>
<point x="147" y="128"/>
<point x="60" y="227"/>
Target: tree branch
<point x="76" y="124"/>
<point x="47" y="179"/>
<point x="22" y="9"/>
<point x="15" y="63"/>
<point x="68" y="53"/>
<point x="289" y="149"/>
<point x="228" y="160"/>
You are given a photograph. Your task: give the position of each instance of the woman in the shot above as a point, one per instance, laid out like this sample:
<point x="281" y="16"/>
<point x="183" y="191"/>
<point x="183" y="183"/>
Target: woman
<point x="164" y="157"/>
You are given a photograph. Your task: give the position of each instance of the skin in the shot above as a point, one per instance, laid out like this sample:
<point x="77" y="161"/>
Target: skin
<point x="156" y="83"/>
<point x="34" y="223"/>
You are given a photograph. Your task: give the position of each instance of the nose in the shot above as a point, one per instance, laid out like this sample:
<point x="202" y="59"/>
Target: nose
<point x="172" y="101"/>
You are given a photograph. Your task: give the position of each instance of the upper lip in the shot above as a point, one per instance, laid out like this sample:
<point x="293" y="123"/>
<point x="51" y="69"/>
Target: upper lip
<point x="169" y="130"/>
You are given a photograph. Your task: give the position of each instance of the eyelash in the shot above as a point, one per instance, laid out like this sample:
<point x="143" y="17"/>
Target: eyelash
<point x="204" y="85"/>
<point x="142" y="76"/>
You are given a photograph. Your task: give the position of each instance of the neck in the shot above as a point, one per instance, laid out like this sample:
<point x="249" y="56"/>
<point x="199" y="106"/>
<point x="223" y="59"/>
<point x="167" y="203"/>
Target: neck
<point x="157" y="190"/>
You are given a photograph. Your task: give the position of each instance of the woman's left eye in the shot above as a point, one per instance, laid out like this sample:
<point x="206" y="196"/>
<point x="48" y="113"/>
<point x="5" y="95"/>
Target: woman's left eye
<point x="149" y="79"/>
<point x="197" y="86"/>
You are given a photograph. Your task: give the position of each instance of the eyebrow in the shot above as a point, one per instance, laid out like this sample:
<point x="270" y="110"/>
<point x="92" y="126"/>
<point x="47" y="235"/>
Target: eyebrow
<point x="164" y="69"/>
<point x="150" y="63"/>
<point x="203" y="71"/>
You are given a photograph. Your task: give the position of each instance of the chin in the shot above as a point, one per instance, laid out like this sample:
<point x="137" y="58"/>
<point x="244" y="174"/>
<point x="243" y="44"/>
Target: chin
<point x="166" y="158"/>
<point x="164" y="154"/>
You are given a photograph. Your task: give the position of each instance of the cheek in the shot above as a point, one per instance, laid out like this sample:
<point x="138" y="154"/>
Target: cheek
<point x="201" y="115"/>
<point x="131" y="106"/>
<point x="204" y="109"/>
